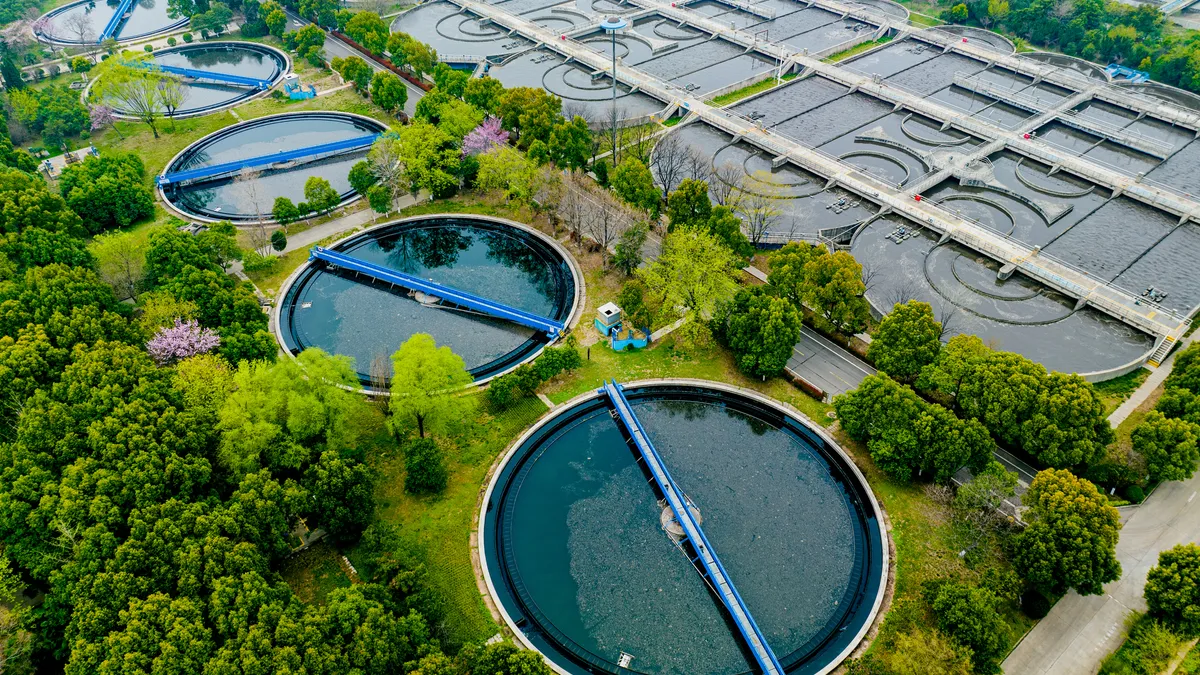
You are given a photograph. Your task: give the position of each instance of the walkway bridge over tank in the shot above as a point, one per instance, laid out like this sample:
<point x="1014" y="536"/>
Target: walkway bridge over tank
<point x="705" y="559"/>
<point x="211" y="76"/>
<point x="442" y="292"/>
<point x="310" y="153"/>
<point x="110" y="29"/>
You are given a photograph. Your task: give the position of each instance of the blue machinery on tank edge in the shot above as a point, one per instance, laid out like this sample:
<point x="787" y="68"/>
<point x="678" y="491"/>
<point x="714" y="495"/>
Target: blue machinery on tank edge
<point x="110" y="29"/>
<point x="336" y="147"/>
<point x="445" y="293"/>
<point x="224" y="78"/>
<point x="706" y="558"/>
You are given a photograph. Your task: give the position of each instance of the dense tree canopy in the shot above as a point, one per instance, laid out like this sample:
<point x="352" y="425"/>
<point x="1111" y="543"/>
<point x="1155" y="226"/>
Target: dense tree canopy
<point x="1173" y="587"/>
<point x="907" y="340"/>
<point x="1071" y="539"/>
<point x="107" y="191"/>
<point x="905" y="434"/>
<point x="761" y="329"/>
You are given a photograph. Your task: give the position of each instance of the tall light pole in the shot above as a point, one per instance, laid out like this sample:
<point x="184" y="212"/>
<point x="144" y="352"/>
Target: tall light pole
<point x="611" y="25"/>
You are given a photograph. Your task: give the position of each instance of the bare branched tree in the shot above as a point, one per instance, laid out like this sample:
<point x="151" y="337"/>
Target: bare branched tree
<point x="697" y="165"/>
<point x="607" y="220"/>
<point x="759" y="205"/>
<point x="726" y="184"/>
<point x="384" y="160"/>
<point x="670" y="162"/>
<point x="171" y="95"/>
<point x="79" y="25"/>
<point x="901" y="292"/>
<point x="573" y="207"/>
<point x="637" y="141"/>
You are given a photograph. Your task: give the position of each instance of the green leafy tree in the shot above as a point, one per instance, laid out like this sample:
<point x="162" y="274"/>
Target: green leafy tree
<point x="627" y="253"/>
<point x="424" y="467"/>
<point x="419" y="57"/>
<point x="634" y="184"/>
<point x="532" y="113"/>
<point x="570" y="144"/>
<point x="320" y="195"/>
<point x="504" y="657"/>
<point x="694" y="274"/>
<point x="484" y="93"/>
<point x="354" y="71"/>
<point x="343" y="495"/>
<point x="1071" y="539"/>
<point x="762" y="330"/>
<point x="1168" y="446"/>
<point x="425" y="378"/>
<point x="120" y="261"/>
<point x="368" y="30"/>
<point x="689" y="205"/>
<point x="279" y="412"/>
<point x="430" y="159"/>
<point x="970" y="615"/>
<point x="284" y="211"/>
<point x="787" y="270"/>
<point x="906" y="341"/>
<point x="450" y="80"/>
<point x="361" y="178"/>
<point x="836" y="290"/>
<point x="1173" y="588"/>
<point x="275" y="18"/>
<point x="506" y="170"/>
<point x="457" y="119"/>
<point x="1185" y="374"/>
<point x="727" y="227"/>
<point x="1069" y="425"/>
<point x="954" y="363"/>
<point x="380" y="199"/>
<point x="278" y="241"/>
<point x="388" y="92"/>
<point x="167" y="635"/>
<point x="107" y="191"/>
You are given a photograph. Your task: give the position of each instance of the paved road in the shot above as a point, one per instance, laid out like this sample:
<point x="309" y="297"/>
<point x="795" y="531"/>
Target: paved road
<point x="1079" y="632"/>
<point x="825" y="365"/>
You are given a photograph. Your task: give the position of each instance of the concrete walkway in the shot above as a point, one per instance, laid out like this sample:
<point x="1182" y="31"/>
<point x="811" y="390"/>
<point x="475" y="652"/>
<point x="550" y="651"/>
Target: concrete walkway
<point x="363" y="218"/>
<point x="1157" y="375"/>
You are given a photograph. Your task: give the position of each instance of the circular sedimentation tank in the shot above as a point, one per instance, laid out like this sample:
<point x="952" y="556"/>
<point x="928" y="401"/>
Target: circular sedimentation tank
<point x="500" y="260"/>
<point x="233" y="196"/>
<point x="584" y="566"/>
<point x="83" y="22"/>
<point x="247" y="59"/>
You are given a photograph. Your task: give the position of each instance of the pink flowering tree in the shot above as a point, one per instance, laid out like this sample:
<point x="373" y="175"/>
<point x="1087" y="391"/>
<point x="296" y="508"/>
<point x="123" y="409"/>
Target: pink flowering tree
<point x="184" y="339"/>
<point x="484" y="137"/>
<point x="103" y="116"/>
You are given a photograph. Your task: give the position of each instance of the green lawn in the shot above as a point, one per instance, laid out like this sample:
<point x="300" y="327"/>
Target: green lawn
<point x="858" y="49"/>
<point x="739" y="94"/>
<point x="439" y="528"/>
<point x="1114" y="392"/>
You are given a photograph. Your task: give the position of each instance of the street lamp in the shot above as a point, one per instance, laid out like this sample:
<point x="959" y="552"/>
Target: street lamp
<point x="611" y="25"/>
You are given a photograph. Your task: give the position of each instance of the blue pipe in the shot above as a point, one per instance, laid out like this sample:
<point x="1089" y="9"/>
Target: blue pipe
<point x="171" y="177"/>
<point x="446" y="293"/>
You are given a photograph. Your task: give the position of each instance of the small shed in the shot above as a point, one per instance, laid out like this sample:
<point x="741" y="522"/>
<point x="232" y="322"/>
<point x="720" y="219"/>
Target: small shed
<point x="608" y="318"/>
